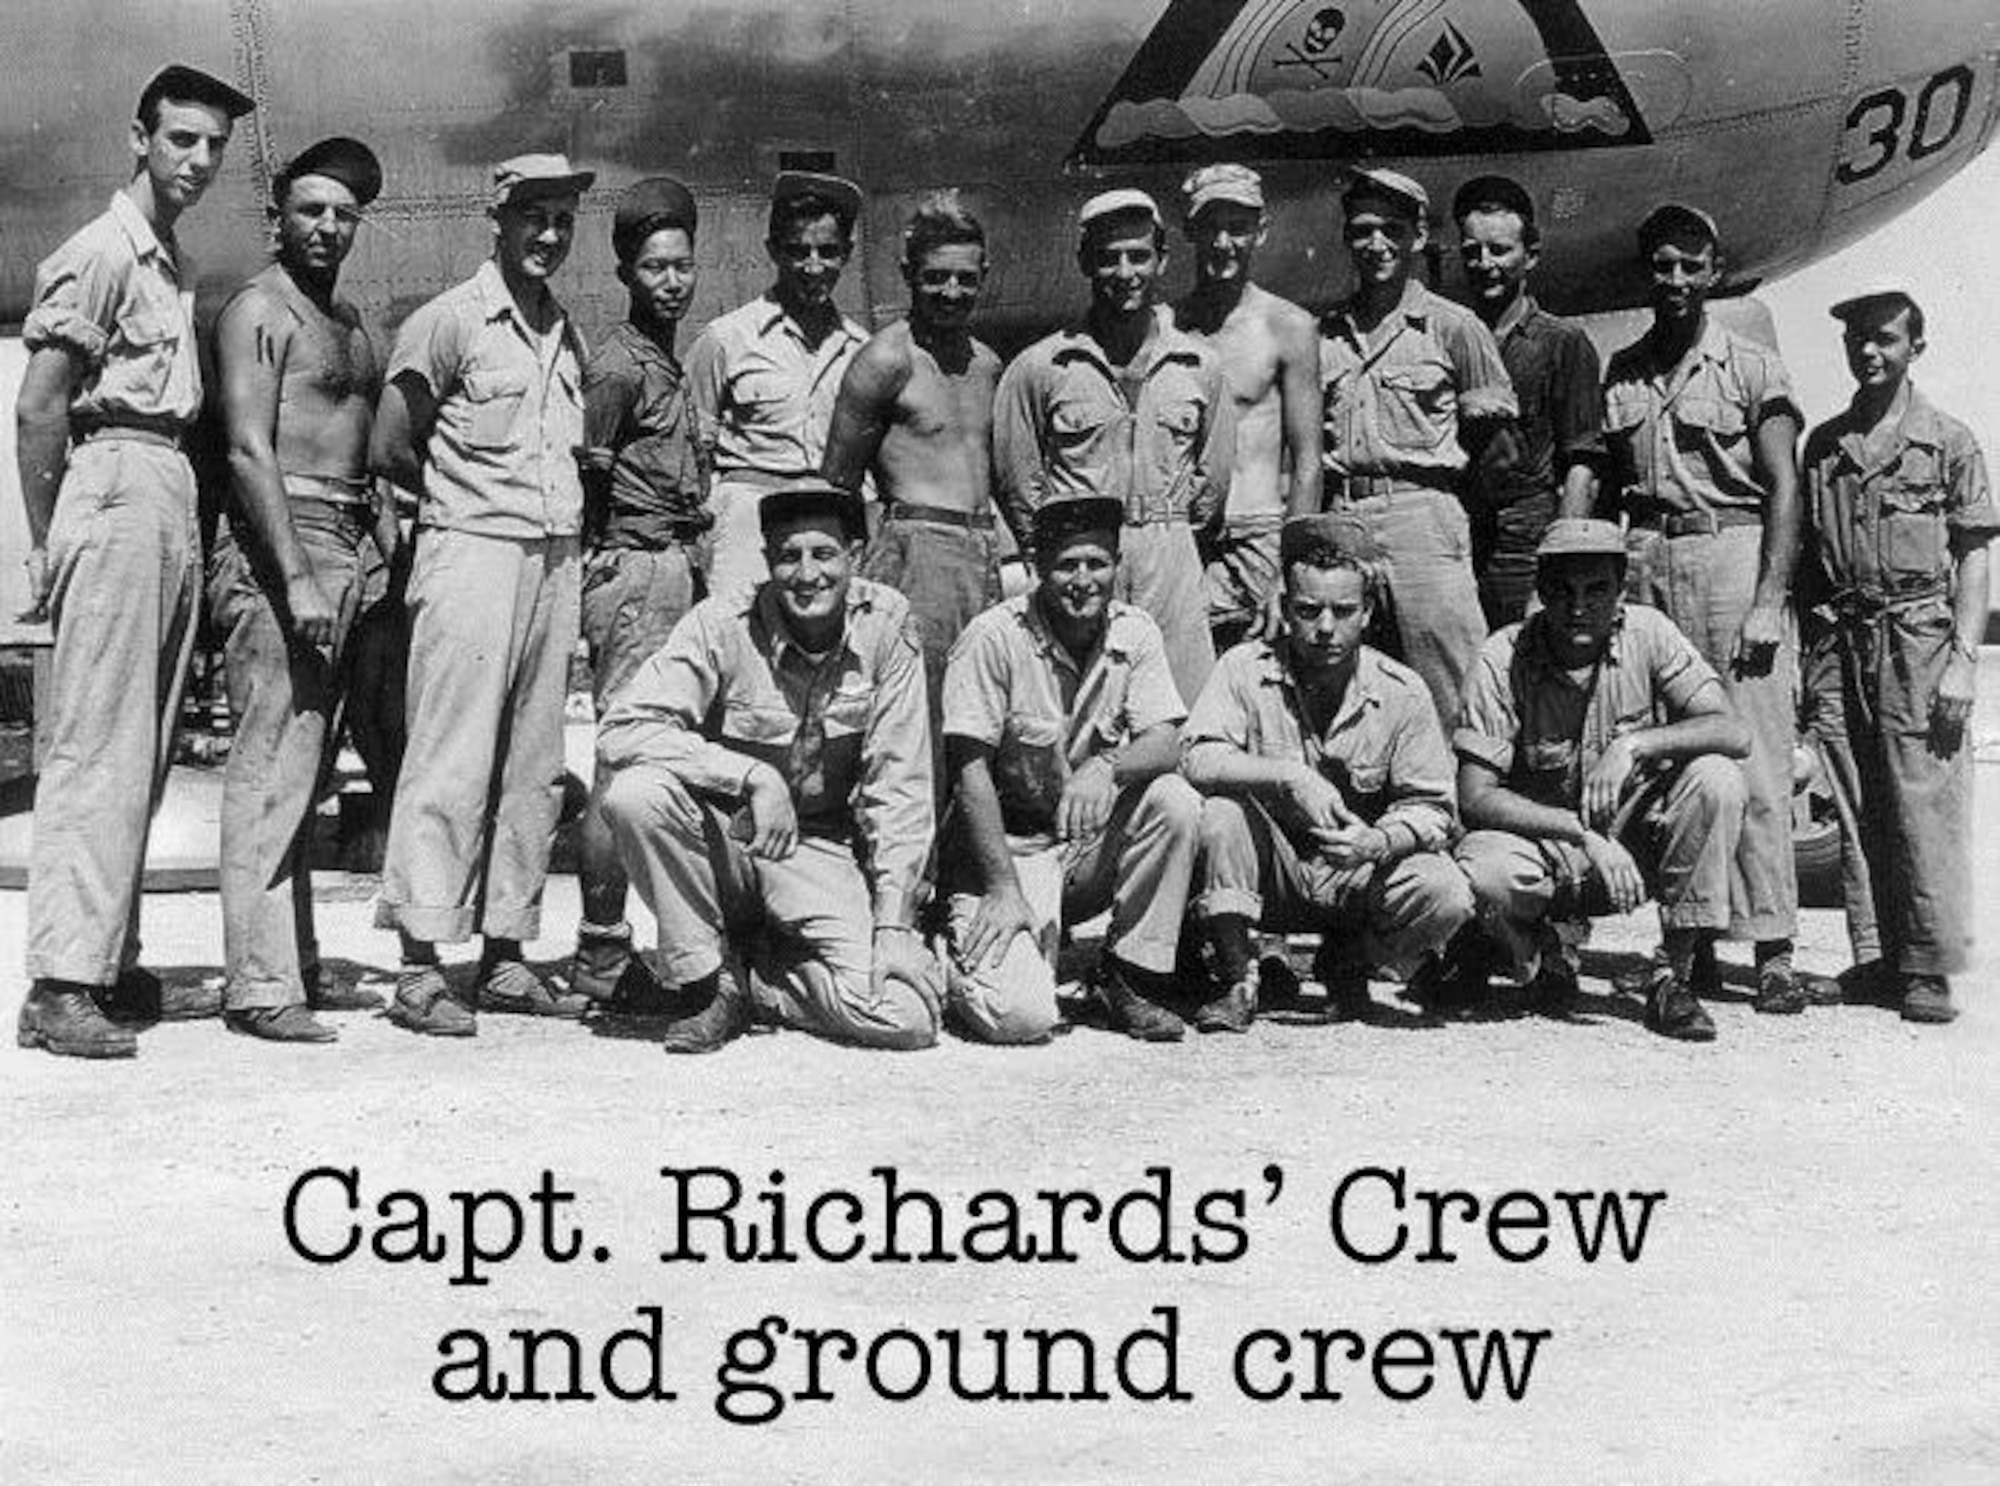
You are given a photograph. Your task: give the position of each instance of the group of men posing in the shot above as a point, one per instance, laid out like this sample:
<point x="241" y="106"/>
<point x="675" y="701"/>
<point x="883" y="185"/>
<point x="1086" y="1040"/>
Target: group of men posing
<point x="862" y="791"/>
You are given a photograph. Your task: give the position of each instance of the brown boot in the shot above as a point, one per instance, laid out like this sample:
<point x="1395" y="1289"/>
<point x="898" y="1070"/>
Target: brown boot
<point x="63" y="1018"/>
<point x="725" y="1018"/>
<point x="1130" y="1012"/>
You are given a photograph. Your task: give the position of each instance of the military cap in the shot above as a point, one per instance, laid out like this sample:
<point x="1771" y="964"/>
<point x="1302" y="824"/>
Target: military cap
<point x="1115" y="203"/>
<point x="183" y="84"/>
<point x="1058" y="523"/>
<point x="1343" y="531"/>
<point x="1369" y="180"/>
<point x="1581" y="536"/>
<point x="1670" y="216"/>
<point x="1212" y="183"/>
<point x="1499" y="192"/>
<point x="807" y="500"/>
<point x="1890" y="293"/>
<point x="527" y="176"/>
<point x="647" y="206"/>
<point x="839" y="192"/>
<point x="348" y="161"/>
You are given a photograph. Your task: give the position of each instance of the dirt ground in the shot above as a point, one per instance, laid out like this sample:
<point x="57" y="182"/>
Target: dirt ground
<point x="1812" y="1301"/>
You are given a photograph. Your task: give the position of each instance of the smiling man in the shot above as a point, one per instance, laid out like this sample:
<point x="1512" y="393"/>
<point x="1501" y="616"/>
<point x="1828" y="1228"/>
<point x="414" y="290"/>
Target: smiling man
<point x="770" y="788"/>
<point x="483" y="412"/>
<point x="113" y="384"/>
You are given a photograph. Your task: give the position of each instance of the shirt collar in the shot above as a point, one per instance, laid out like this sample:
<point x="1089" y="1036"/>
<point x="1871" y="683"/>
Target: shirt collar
<point x="1413" y="308"/>
<point x="146" y="242"/>
<point x="1364" y="688"/>
<point x="1532" y="646"/>
<point x="1519" y="313"/>
<point x="1170" y="343"/>
<point x="1044" y="635"/>
<point x="767" y="616"/>
<point x="772" y="317"/>
<point x="1916" y="424"/>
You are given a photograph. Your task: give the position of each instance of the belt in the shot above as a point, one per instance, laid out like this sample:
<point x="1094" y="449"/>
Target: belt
<point x="166" y="435"/>
<point x="942" y="515"/>
<point x="654" y="536"/>
<point x="333" y="489"/>
<point x="1374" y="487"/>
<point x="1696" y="523"/>
<point x="1861" y="601"/>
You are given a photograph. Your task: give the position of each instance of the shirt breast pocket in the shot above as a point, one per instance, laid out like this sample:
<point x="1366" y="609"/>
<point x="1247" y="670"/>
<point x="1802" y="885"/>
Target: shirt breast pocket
<point x="1418" y="405"/>
<point x="1075" y="428"/>
<point x="760" y="732"/>
<point x="1548" y="760"/>
<point x="1699" y="416"/>
<point x="1915" y="535"/>
<point x="1029" y="772"/>
<point x="493" y="406"/>
<point x="150" y="335"/>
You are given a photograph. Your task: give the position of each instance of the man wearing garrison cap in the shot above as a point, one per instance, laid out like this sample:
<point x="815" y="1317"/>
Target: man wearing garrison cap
<point x="646" y="523"/>
<point x="1062" y="732"/>
<point x="112" y="385"/>
<point x="1330" y="804"/>
<point x="300" y="375"/>
<point x="483" y="413"/>
<point x="769" y="788"/>
<point x="1124" y="403"/>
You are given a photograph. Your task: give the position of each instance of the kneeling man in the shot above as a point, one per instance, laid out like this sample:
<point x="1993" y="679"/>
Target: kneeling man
<point x="771" y="776"/>
<point x="1329" y="787"/>
<point x="1596" y="765"/>
<point x="1062" y="730"/>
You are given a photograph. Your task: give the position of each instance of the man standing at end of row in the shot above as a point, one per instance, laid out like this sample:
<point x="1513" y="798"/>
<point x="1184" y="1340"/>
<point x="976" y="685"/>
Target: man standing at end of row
<point x="300" y="376"/>
<point x="114" y="554"/>
<point x="483" y="411"/>
<point x="1127" y="405"/>
<point x="1270" y="360"/>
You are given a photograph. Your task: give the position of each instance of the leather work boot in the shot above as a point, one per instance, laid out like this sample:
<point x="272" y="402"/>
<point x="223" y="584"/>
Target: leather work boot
<point x="1672" y="1010"/>
<point x="139" y="997"/>
<point x="726" y="1018"/>
<point x="1346" y="985"/>
<point x="1130" y="1012"/>
<point x="62" y="1017"/>
<point x="424" y="1004"/>
<point x="1554" y="990"/>
<point x="1779" y="992"/>
<point x="599" y="964"/>
<point x="327" y="992"/>
<point x="511" y="988"/>
<point x="1232" y="1011"/>
<point x="294" y="1023"/>
<point x="1927" y="999"/>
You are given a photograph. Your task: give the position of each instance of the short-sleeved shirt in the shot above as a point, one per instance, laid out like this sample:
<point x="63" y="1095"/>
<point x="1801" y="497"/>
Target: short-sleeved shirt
<point x="1394" y="406"/>
<point x="502" y="454"/>
<point x="1882" y="520"/>
<point x="113" y="297"/>
<point x="1542" y="730"/>
<point x="1383" y="748"/>
<point x="764" y="395"/>
<point x="1157" y="436"/>
<point x="1683" y="437"/>
<point x="639" y="426"/>
<point x="1013" y="686"/>
<point x="849" y="731"/>
<point x="1559" y="384"/>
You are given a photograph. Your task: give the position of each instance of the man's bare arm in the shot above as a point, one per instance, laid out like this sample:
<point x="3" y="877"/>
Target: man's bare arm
<point x="1777" y="461"/>
<point x="403" y="423"/>
<point x="865" y="408"/>
<point x="1303" y="412"/>
<point x="41" y="454"/>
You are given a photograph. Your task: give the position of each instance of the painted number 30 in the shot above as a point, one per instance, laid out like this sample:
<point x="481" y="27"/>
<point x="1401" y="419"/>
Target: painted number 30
<point x="1875" y="123"/>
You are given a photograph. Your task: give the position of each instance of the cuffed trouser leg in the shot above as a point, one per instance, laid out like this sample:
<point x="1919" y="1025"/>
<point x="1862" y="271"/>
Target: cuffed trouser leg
<point x="283" y="697"/>
<point x="1160" y="571"/>
<point x="124" y="561"/>
<point x="1014" y="1000"/>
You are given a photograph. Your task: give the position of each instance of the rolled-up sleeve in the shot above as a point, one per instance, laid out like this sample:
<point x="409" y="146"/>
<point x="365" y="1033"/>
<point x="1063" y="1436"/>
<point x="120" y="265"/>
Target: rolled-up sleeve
<point x="974" y="704"/>
<point x="430" y="346"/>
<point x="1488" y="723"/>
<point x="657" y="717"/>
<point x="1422" y="809"/>
<point x="893" y="804"/>
<point x="1484" y="388"/>
<point x="76" y="297"/>
<point x="1220" y="716"/>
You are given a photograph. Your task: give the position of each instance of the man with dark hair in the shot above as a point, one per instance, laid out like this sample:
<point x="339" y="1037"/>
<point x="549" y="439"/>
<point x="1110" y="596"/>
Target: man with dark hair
<point x="112" y="385"/>
<point x="1704" y="432"/>
<point x="1270" y="359"/>
<point x="1596" y="764"/>
<point x="766" y="374"/>
<point x="1062" y="731"/>
<point x="1900" y="517"/>
<point x="646" y="520"/>
<point x="300" y="375"/>
<point x="770" y="781"/>
<point x="1125" y="404"/>
<point x="483" y="412"/>
<point x="916" y="406"/>
<point x="1558" y="450"/>
<point x="1329" y="789"/>
<point x="1415" y="392"/>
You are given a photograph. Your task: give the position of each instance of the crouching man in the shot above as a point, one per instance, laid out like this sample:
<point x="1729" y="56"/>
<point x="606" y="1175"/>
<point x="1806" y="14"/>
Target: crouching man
<point x="1329" y="787"/>
<point x="1062" y="732"/>
<point x="1596" y="765"/>
<point x="771" y="779"/>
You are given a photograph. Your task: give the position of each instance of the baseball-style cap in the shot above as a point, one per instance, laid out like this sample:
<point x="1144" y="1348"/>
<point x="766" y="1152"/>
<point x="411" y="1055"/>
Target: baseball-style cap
<point x="1343" y="531"/>
<point x="1889" y="293"/>
<point x="1581" y="536"/>
<point x="842" y="193"/>
<point x="527" y="176"/>
<point x="180" y="82"/>
<point x="1058" y="523"/>
<point x="1212" y="183"/>
<point x="348" y="161"/>
<point x="1370" y="180"/>
<point x="647" y="206"/>
<point x="1671" y="216"/>
<point x="1116" y="203"/>
<point x="810" y="500"/>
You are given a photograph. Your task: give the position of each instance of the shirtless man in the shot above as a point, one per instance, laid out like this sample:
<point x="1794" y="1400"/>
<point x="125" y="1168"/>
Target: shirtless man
<point x="299" y="380"/>
<point x="1270" y="359"/>
<point x="916" y="405"/>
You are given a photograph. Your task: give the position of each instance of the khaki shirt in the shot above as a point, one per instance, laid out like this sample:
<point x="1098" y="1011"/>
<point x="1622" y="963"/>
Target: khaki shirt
<point x="1011" y="685"/>
<point x="1542" y="731"/>
<point x="849" y="732"/>
<point x="1883" y="524"/>
<point x="1383" y="749"/>
<point x="640" y="422"/>
<point x="765" y="398"/>
<point x="1683" y="438"/>
<point x="1064" y="427"/>
<point x="1394" y="408"/>
<point x="112" y="296"/>
<point x="502" y="454"/>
